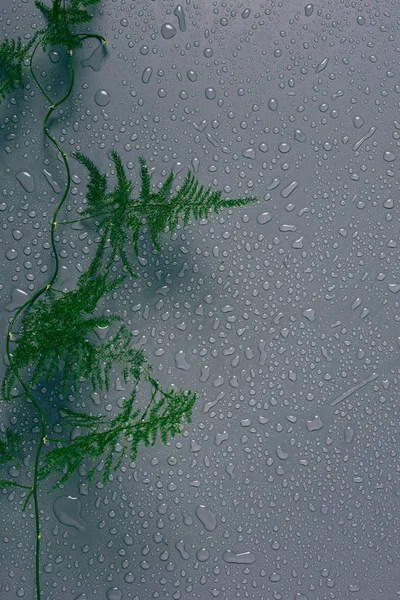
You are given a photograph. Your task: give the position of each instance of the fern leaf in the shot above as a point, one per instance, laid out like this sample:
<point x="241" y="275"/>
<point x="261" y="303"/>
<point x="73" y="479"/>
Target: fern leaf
<point x="62" y="17"/>
<point x="135" y="429"/>
<point x="12" y="56"/>
<point x="121" y="214"/>
<point x="56" y="328"/>
<point x="10" y="447"/>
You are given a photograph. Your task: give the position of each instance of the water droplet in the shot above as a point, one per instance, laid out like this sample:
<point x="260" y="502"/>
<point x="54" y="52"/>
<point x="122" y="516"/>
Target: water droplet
<point x="289" y="189"/>
<point x="210" y="93"/>
<point x="389" y="156"/>
<point x="249" y="153"/>
<point x="348" y="435"/>
<point x="358" y="122"/>
<point x="168" y="31"/>
<point x="180" y="15"/>
<point x="242" y="558"/>
<point x="207" y="518"/>
<point x="322" y="65"/>
<point x="102" y="98"/>
<point x="180" y="361"/>
<point x="284" y="147"/>
<point x="309" y="314"/>
<point x="263" y="147"/>
<point x="67" y="510"/>
<point x="263" y="218"/>
<point x="95" y="59"/>
<point x="273" y="104"/>
<point x="11" y="254"/>
<point x="54" y="184"/>
<point x="114" y="594"/>
<point x="26" y="180"/>
<point x="147" y="74"/>
<point x="191" y="75"/>
<point x="308" y="10"/>
<point x="54" y="56"/>
<point x="315" y="424"/>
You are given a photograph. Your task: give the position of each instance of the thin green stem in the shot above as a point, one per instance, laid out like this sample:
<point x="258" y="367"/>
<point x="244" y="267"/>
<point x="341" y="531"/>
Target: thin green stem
<point x="83" y="219"/>
<point x="29" y="302"/>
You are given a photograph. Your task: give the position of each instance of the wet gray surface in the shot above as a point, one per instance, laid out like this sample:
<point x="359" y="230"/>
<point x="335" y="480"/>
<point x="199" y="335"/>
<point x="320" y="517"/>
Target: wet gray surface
<point x="283" y="315"/>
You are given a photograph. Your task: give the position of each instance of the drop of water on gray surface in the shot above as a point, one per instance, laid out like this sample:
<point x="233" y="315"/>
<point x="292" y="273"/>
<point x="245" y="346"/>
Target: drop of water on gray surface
<point x="67" y="510"/>
<point x="241" y="558"/>
<point x="168" y="31"/>
<point x="264" y="218"/>
<point x="180" y="15"/>
<point x="54" y="184"/>
<point x="273" y="104"/>
<point x="114" y="594"/>
<point x="207" y="518"/>
<point x="315" y="424"/>
<point x="26" y="180"/>
<point x="95" y="59"/>
<point x="309" y="9"/>
<point x="102" y="98"/>
<point x="210" y="93"/>
<point x="146" y="75"/>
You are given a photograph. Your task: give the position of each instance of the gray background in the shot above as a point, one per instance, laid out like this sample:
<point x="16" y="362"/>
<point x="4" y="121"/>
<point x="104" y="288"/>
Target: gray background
<point x="283" y="315"/>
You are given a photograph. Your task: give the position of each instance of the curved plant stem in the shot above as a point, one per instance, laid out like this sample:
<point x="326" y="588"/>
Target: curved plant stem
<point x="26" y="390"/>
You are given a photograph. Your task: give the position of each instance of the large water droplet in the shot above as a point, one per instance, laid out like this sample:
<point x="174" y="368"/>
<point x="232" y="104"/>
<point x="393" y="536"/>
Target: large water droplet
<point x="26" y="180"/>
<point x="67" y="510"/>
<point x="168" y="31"/>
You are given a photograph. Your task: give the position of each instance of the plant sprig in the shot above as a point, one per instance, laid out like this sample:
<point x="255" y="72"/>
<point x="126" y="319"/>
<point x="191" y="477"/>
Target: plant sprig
<point x="55" y="330"/>
<point x="122" y="214"/>
<point x="104" y="437"/>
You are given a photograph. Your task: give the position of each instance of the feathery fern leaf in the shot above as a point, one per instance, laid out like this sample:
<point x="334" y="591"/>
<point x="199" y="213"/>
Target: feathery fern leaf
<point x="62" y="17"/>
<point x="56" y="328"/>
<point x="10" y="447"/>
<point x="12" y="56"/>
<point x="176" y="405"/>
<point x="120" y="213"/>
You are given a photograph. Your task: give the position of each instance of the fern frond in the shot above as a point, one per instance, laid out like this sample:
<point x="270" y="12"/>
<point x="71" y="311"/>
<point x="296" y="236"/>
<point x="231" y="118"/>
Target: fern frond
<point x="177" y="406"/>
<point x="121" y="214"/>
<point x="12" y="56"/>
<point x="56" y="328"/>
<point x="10" y="447"/>
<point x="62" y="17"/>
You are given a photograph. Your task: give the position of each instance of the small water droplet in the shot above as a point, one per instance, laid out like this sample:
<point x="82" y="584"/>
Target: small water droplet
<point x="263" y="218"/>
<point x="308" y="10"/>
<point x="273" y="104"/>
<point x="102" y="98"/>
<point x="147" y="74"/>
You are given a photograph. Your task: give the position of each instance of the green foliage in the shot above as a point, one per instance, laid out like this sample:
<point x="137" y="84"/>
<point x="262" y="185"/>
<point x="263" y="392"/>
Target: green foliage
<point x="12" y="56"/>
<point x="10" y="447"/>
<point x="56" y="328"/>
<point x="122" y="214"/>
<point x="62" y="17"/>
<point x="105" y="436"/>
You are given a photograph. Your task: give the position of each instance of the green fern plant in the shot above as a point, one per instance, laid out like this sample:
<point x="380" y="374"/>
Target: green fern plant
<point x="62" y="17"/>
<point x="12" y="56"/>
<point x="129" y="427"/>
<point x="121" y="214"/>
<point x="55" y="332"/>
